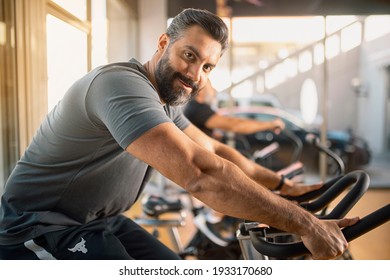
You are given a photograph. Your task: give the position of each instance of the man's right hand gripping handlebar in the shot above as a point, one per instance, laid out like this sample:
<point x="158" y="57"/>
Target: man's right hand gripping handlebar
<point x="325" y="240"/>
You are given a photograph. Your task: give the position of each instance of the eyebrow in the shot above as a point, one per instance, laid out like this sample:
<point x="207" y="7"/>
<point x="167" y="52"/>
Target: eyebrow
<point x="196" y="52"/>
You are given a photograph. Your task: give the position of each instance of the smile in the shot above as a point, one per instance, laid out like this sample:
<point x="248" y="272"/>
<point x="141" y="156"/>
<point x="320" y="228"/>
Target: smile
<point x="185" y="84"/>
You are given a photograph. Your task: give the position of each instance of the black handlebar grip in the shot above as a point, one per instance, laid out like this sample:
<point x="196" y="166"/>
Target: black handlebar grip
<point x="330" y="190"/>
<point x="290" y="250"/>
<point x="361" y="182"/>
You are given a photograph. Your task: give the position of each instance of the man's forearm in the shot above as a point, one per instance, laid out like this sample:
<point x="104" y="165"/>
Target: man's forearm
<point x="256" y="172"/>
<point x="231" y="192"/>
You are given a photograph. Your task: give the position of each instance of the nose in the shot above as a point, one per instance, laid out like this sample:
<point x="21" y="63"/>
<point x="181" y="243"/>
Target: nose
<point x="194" y="72"/>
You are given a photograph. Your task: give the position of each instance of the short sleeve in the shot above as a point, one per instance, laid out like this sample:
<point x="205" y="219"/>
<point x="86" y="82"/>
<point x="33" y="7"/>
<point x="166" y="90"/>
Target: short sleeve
<point x="124" y="102"/>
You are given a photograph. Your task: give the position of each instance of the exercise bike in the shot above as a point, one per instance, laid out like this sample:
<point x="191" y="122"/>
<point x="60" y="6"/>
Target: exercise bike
<point x="212" y="240"/>
<point x="259" y="241"/>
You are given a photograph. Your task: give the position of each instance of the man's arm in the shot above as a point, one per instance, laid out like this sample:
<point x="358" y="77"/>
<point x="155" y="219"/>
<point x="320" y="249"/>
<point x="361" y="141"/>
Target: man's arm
<point x="225" y="187"/>
<point x="256" y="172"/>
<point x="242" y="125"/>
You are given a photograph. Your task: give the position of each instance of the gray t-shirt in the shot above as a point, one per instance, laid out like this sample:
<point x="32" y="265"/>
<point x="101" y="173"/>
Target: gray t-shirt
<point x="76" y="168"/>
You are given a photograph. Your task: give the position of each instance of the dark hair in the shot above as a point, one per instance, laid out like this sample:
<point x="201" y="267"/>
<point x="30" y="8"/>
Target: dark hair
<point x="210" y="22"/>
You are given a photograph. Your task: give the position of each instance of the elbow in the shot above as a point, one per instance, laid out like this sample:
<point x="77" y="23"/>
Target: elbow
<point x="196" y="182"/>
<point x="194" y="187"/>
<point x="204" y="178"/>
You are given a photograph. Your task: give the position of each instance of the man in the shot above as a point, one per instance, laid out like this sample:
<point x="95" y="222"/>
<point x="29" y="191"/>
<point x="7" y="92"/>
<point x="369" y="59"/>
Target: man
<point x="90" y="158"/>
<point x="200" y="112"/>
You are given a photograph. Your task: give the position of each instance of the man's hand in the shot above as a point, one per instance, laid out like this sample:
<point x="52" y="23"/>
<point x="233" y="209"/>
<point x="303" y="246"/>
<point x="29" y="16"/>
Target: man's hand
<point x="326" y="240"/>
<point x="278" y="125"/>
<point x="291" y="188"/>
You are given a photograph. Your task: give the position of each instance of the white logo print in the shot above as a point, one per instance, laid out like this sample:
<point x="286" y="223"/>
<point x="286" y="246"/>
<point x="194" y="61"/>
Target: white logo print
<point x="79" y="247"/>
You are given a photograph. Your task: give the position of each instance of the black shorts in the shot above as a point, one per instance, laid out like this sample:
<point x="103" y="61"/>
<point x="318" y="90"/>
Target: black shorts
<point x="114" y="238"/>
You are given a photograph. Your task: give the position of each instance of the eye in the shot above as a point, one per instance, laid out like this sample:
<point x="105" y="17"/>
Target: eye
<point x="207" y="68"/>
<point x="189" y="55"/>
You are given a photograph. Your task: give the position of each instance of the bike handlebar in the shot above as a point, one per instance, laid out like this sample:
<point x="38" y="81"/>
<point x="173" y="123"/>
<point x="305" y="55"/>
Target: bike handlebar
<point x="290" y="250"/>
<point x="360" y="181"/>
<point x="314" y="140"/>
<point x="297" y="142"/>
<point x="313" y="194"/>
<point x="331" y="189"/>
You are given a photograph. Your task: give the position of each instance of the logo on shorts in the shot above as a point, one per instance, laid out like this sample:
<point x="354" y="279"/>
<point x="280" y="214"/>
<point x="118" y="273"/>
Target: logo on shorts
<point x="79" y="247"/>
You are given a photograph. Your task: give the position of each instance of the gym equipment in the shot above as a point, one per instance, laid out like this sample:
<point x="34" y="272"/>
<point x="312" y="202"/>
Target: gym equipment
<point x="258" y="241"/>
<point x="258" y="237"/>
<point x="217" y="240"/>
<point x="154" y="207"/>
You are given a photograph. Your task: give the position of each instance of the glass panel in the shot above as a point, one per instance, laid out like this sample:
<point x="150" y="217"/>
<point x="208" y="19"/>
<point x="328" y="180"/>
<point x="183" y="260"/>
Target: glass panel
<point x="66" y="57"/>
<point x="280" y="73"/>
<point x="269" y="79"/>
<point x="332" y="46"/>
<point x="351" y="37"/>
<point x="318" y="53"/>
<point x="291" y="67"/>
<point x="260" y="86"/>
<point x="277" y="29"/>
<point x="2" y="33"/>
<point x="243" y="90"/>
<point x="9" y="148"/>
<point x="335" y="23"/>
<point x="309" y="101"/>
<point x="305" y="61"/>
<point x="376" y="26"/>
<point x="75" y="7"/>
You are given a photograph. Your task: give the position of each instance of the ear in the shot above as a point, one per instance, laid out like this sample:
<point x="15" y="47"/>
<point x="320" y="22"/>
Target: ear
<point x="163" y="42"/>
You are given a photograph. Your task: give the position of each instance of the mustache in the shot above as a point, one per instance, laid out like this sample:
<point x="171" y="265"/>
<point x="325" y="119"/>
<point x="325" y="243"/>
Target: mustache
<point x="191" y="83"/>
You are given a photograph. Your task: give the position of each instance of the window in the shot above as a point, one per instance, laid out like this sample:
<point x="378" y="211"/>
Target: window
<point x="305" y="61"/>
<point x="9" y="149"/>
<point x="52" y="43"/>
<point x="66" y="57"/>
<point x="76" y="7"/>
<point x="376" y="26"/>
<point x="76" y="42"/>
<point x="351" y="36"/>
<point x="318" y="53"/>
<point x="332" y="46"/>
<point x="68" y="33"/>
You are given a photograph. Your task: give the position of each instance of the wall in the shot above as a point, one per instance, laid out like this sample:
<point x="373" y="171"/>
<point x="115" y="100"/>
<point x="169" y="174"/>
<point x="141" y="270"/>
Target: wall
<point x="122" y="29"/>
<point x="152" y="23"/>
<point x="366" y="112"/>
<point x="376" y="56"/>
<point x="341" y="98"/>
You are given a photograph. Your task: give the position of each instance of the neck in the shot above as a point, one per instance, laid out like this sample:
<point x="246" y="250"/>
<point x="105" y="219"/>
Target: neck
<point x="150" y="67"/>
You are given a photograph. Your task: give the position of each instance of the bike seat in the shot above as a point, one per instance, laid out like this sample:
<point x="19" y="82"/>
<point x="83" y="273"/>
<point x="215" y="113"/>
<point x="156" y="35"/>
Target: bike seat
<point x="154" y="205"/>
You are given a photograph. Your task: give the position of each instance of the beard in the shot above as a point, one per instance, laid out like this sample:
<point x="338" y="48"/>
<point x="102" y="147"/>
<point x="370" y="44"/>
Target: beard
<point x="165" y="77"/>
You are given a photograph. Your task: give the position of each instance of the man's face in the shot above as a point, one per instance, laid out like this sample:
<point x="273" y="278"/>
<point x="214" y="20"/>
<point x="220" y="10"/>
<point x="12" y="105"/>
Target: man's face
<point x="185" y="65"/>
<point x="166" y="77"/>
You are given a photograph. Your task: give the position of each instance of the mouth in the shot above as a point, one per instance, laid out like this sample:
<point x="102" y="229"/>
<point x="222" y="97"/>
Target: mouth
<point x="185" y="84"/>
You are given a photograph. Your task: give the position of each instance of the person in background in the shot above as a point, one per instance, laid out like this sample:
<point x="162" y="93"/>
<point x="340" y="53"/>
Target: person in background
<point x="200" y="112"/>
<point x="92" y="155"/>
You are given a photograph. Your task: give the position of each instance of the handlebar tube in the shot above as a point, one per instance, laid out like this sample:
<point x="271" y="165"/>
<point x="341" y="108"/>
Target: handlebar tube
<point x="290" y="250"/>
<point x="361" y="182"/>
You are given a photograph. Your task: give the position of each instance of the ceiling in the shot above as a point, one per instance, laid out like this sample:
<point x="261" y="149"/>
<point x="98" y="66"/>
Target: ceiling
<point x="242" y="8"/>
